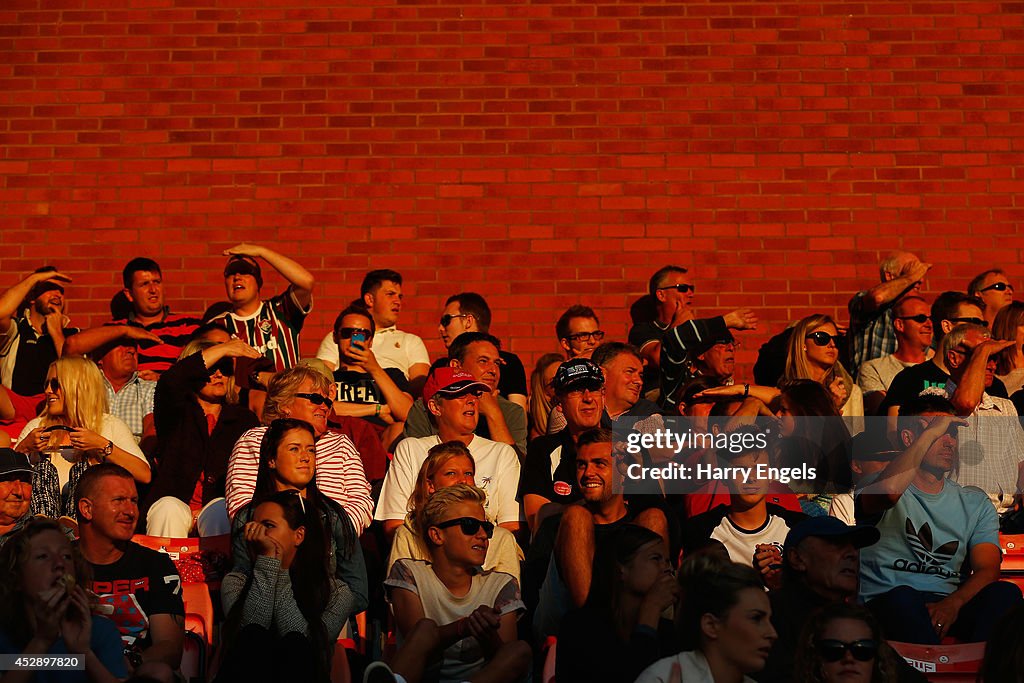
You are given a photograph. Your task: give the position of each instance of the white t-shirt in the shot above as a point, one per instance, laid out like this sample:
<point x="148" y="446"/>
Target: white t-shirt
<point x="497" y="473"/>
<point x="877" y="374"/>
<point x="113" y="429"/>
<point x="392" y="347"/>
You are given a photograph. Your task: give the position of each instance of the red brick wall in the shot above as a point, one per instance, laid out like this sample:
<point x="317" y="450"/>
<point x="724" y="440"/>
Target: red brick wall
<point x="541" y="153"/>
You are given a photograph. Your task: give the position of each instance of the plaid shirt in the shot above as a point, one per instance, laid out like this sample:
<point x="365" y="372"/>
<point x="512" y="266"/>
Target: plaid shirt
<point x="991" y="448"/>
<point x="133" y="402"/>
<point x="871" y="332"/>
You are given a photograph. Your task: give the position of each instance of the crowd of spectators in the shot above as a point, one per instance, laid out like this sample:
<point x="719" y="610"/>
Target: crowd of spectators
<point x="488" y="520"/>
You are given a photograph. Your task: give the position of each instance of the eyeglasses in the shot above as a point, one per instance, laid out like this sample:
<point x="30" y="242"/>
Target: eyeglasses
<point x="54" y="385"/>
<point x="972" y="321"/>
<point x="347" y="332"/>
<point x="997" y="286"/>
<point x="596" y="335"/>
<point x="469" y="525"/>
<point x="823" y="338"/>
<point x="224" y="366"/>
<point x="447" y="318"/>
<point x="834" y="650"/>
<point x="920" y="318"/>
<point x="685" y="289"/>
<point x="315" y="399"/>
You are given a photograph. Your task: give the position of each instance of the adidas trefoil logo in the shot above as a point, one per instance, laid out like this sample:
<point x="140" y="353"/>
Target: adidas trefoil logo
<point x="927" y="560"/>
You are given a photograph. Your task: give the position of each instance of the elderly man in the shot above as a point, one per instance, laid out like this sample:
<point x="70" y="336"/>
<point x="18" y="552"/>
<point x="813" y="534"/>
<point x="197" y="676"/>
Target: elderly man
<point x="305" y="394"/>
<point x="15" y="492"/>
<point x="872" y="310"/>
<point x="821" y="566"/>
<point x="994" y="288"/>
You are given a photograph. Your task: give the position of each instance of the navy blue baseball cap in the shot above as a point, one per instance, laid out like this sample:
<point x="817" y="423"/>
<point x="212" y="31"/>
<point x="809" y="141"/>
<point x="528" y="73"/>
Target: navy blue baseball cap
<point x="827" y="526"/>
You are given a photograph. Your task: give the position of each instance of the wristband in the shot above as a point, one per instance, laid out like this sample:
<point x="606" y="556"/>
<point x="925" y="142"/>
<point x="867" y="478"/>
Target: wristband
<point x="377" y="413"/>
<point x="746" y="390"/>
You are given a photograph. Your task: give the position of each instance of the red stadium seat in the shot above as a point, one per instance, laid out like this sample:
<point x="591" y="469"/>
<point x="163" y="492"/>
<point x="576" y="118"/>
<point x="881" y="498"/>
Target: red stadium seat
<point x="548" y="676"/>
<point x="199" y="560"/>
<point x="1012" y="568"/>
<point x="948" y="663"/>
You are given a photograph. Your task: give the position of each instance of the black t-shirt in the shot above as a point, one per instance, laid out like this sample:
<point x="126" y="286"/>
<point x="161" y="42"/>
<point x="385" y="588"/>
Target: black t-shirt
<point x="513" y="375"/>
<point x="360" y="387"/>
<point x="536" y="476"/>
<point x="142" y="583"/>
<point x="910" y="382"/>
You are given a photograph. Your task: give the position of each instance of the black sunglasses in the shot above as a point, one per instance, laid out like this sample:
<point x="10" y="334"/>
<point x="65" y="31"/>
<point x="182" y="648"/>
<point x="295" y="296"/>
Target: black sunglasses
<point x="347" y="332"/>
<point x="834" y="650"/>
<point x="596" y="335"/>
<point x="54" y="385"/>
<point x="973" y="321"/>
<point x="447" y="318"/>
<point x="315" y="399"/>
<point x="920" y="318"/>
<point x="823" y="338"/>
<point x="226" y="367"/>
<point x="685" y="289"/>
<point x="469" y="525"/>
<point x="998" y="286"/>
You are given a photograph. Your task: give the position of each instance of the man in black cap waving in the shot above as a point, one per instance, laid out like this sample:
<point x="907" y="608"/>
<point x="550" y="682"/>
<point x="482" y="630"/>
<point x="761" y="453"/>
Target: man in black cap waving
<point x="271" y="327"/>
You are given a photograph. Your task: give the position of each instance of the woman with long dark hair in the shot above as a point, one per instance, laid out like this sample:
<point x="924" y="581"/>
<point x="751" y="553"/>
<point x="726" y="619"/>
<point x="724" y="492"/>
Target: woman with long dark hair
<point x="631" y="633"/>
<point x="285" y="612"/>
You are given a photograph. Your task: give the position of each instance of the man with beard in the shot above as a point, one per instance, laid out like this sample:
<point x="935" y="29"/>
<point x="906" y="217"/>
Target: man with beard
<point x="935" y="570"/>
<point x="561" y="556"/>
<point x="33" y="329"/>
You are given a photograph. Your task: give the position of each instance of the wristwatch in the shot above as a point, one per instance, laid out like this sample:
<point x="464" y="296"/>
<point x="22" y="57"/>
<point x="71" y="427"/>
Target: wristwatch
<point x="107" y="450"/>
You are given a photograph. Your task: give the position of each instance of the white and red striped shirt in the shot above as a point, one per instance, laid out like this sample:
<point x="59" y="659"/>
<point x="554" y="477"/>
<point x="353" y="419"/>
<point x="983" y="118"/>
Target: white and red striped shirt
<point x="339" y="474"/>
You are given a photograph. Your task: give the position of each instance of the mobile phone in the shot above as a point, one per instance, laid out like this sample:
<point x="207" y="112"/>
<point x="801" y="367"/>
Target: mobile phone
<point x="359" y="340"/>
<point x="57" y="428"/>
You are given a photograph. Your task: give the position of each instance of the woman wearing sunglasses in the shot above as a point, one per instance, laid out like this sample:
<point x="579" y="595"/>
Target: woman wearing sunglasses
<point x="75" y="424"/>
<point x="814" y="354"/>
<point x="285" y="611"/>
<point x="448" y="464"/>
<point x="843" y="644"/>
<point x="448" y="607"/>
<point x="198" y="419"/>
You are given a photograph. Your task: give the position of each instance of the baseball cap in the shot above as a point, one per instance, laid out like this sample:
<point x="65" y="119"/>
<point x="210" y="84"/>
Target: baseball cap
<point x="245" y="265"/>
<point x="705" y="345"/>
<point x="13" y="462"/>
<point x="873" y="443"/>
<point x="578" y="373"/>
<point x="448" y="382"/>
<point x="831" y="527"/>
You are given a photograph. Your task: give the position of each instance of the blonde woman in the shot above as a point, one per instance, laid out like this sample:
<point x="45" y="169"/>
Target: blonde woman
<point x="814" y="354"/>
<point x="542" y="393"/>
<point x="448" y="464"/>
<point x="1009" y="325"/>
<point x="75" y="423"/>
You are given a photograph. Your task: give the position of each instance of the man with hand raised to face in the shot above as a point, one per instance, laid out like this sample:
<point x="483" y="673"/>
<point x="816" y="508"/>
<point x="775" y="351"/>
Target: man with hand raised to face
<point x="271" y="327"/>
